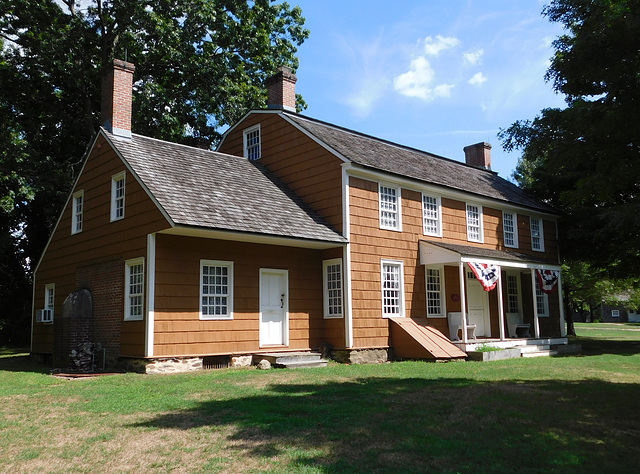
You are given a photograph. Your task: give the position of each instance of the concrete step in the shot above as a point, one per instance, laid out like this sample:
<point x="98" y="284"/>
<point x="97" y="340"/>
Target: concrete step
<point x="543" y="353"/>
<point x="292" y="359"/>
<point x="534" y="348"/>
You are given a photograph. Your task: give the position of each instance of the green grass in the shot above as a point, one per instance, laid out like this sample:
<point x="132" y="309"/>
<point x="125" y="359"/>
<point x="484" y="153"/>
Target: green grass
<point x="557" y="414"/>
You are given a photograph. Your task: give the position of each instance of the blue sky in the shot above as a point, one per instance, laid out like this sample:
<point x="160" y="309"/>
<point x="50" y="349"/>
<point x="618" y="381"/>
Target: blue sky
<point x="431" y="74"/>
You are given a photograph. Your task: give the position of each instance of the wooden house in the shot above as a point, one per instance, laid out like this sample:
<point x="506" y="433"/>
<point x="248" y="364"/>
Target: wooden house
<point x="295" y="233"/>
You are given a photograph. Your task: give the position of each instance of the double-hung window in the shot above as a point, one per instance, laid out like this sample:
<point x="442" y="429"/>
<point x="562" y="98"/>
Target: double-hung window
<point x="513" y="299"/>
<point x="392" y="289"/>
<point x="216" y="289"/>
<point x="46" y="315"/>
<point x="251" y="138"/>
<point x="537" y="235"/>
<point x="117" y="196"/>
<point x="390" y="214"/>
<point x="474" y="223"/>
<point x="542" y="301"/>
<point x="431" y="218"/>
<point x="77" y="212"/>
<point x="332" y="276"/>
<point x="134" y="289"/>
<point x="510" y="228"/>
<point x="435" y="292"/>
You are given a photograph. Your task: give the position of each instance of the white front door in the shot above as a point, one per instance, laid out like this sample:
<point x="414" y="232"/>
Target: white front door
<point x="274" y="307"/>
<point x="478" y="306"/>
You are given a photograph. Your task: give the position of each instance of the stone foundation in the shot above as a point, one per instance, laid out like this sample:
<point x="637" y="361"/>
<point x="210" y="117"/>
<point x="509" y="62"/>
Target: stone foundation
<point x="361" y="356"/>
<point x="241" y="361"/>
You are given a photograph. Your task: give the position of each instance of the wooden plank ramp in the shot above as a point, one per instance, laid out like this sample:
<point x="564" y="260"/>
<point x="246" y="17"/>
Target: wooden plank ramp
<point x="415" y="339"/>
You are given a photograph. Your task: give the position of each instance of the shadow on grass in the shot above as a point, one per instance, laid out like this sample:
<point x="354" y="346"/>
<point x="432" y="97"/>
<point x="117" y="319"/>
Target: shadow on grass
<point x="416" y="425"/>
<point x="12" y="360"/>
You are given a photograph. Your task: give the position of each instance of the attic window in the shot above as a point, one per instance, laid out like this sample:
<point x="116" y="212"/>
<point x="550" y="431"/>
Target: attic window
<point x="117" y="196"/>
<point x="251" y="137"/>
<point x="77" y="212"/>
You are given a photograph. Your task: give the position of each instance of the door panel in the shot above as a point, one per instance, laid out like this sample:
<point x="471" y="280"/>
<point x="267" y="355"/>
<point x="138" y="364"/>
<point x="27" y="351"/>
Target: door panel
<point x="478" y="306"/>
<point x="274" y="307"/>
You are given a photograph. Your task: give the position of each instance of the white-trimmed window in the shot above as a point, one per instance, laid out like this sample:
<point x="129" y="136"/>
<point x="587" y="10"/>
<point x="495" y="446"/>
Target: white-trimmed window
<point x="434" y="277"/>
<point x="117" y="196"/>
<point x="431" y="216"/>
<point x="392" y="289"/>
<point x="615" y="313"/>
<point x="77" y="212"/>
<point x="332" y="278"/>
<point x="537" y="234"/>
<point x="134" y="290"/>
<point x="46" y="315"/>
<point x="251" y="139"/>
<point x="474" y="223"/>
<point x="216" y="289"/>
<point x="513" y="295"/>
<point x="390" y="214"/>
<point x="542" y="301"/>
<point x="510" y="227"/>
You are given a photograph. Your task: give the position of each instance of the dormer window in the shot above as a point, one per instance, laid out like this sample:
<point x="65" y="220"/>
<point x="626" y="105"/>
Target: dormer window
<point x="117" y="196"/>
<point x="252" y="148"/>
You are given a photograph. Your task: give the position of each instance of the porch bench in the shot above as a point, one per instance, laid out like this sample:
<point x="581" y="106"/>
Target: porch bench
<point x="455" y="325"/>
<point x="516" y="327"/>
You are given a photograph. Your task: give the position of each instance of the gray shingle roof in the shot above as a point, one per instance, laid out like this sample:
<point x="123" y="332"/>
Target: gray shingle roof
<point x="213" y="190"/>
<point x="385" y="156"/>
<point x="483" y="252"/>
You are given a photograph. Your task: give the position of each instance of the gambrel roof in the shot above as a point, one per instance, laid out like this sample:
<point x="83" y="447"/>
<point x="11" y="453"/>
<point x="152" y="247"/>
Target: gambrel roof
<point x="378" y="154"/>
<point x="206" y="189"/>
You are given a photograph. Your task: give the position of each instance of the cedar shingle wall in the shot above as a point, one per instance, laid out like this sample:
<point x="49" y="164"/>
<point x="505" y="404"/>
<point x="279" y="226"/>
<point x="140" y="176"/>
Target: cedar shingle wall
<point x="100" y="241"/>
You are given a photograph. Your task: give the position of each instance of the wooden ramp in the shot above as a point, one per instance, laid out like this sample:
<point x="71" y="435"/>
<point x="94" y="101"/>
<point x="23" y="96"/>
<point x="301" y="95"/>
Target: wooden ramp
<point x="414" y="339"/>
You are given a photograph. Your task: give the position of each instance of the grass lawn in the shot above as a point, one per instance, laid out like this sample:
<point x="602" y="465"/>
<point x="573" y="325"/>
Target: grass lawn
<point x="575" y="413"/>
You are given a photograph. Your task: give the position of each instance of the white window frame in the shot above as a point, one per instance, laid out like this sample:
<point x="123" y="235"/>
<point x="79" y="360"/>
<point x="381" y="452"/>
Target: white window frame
<point x="430" y="219"/>
<point x="248" y="149"/>
<point x="615" y="313"/>
<point x="77" y="212"/>
<point x="441" y="293"/>
<point x="383" y="206"/>
<point x="130" y="292"/>
<point x="539" y="247"/>
<point x="228" y="295"/>
<point x="517" y="294"/>
<point x="470" y="227"/>
<point x="46" y="315"/>
<point x="400" y="313"/>
<point x="118" y="201"/>
<point x="514" y="231"/>
<point x="542" y="301"/>
<point x="333" y="288"/>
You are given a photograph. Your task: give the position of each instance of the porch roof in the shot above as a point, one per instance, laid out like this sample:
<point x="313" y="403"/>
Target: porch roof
<point x="434" y="253"/>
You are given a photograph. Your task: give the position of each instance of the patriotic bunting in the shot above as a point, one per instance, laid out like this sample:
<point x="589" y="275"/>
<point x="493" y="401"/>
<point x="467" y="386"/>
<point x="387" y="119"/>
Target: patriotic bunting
<point x="548" y="280"/>
<point x="487" y="274"/>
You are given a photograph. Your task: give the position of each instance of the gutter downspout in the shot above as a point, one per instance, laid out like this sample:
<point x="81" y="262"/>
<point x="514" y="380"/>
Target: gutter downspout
<point x="346" y="232"/>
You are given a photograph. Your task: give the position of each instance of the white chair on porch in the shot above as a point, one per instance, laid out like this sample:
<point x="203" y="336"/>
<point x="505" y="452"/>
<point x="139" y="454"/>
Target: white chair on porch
<point x="455" y="325"/>
<point x="517" y="328"/>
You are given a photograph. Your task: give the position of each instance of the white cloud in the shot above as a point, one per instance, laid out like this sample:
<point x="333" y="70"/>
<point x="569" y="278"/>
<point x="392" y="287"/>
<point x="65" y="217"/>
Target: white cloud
<point x="417" y="81"/>
<point x="472" y="57"/>
<point x="433" y="47"/>
<point x="478" y="79"/>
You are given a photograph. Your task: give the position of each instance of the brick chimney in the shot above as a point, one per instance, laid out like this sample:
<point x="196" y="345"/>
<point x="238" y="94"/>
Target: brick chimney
<point x="478" y="155"/>
<point x="281" y="90"/>
<point x="117" y="90"/>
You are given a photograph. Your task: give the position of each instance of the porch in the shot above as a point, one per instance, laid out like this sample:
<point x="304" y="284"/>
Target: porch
<point x="516" y="309"/>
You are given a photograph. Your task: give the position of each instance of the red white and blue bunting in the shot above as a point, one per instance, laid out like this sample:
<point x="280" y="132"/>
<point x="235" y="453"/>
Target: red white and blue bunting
<point x="548" y="280"/>
<point x="487" y="274"/>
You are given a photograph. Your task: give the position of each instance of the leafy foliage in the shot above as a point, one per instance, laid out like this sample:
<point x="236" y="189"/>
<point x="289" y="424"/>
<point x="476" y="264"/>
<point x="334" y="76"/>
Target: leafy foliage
<point x="200" y="65"/>
<point x="585" y="159"/>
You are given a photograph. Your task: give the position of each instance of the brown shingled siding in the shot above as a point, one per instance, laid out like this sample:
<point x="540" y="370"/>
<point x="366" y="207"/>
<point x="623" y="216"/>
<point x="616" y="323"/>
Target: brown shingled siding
<point x="308" y="169"/>
<point x="100" y="241"/>
<point x="178" y="329"/>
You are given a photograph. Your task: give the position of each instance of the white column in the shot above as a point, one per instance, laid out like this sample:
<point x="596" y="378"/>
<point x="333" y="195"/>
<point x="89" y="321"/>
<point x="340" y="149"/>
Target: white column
<point x="536" y="323"/>
<point x="500" y="305"/>
<point x="346" y="232"/>
<point x="151" y="294"/>
<point x="463" y="304"/>
<point x="563" y="328"/>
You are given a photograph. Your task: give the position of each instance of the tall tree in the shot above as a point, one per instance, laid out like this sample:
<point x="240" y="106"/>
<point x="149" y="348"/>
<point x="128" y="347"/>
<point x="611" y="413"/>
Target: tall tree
<point x="585" y="159"/>
<point x="200" y="65"/>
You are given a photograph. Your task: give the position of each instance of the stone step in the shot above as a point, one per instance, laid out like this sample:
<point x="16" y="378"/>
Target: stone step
<point x="544" y="353"/>
<point x="534" y="348"/>
<point x="292" y="359"/>
<point x="301" y="364"/>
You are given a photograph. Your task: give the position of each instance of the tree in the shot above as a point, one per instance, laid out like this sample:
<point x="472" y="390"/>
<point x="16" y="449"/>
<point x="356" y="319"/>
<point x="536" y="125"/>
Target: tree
<point x="585" y="159"/>
<point x="200" y="65"/>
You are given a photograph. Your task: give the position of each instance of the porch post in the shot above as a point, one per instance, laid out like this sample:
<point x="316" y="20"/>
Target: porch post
<point x="563" y="328"/>
<point x="463" y="304"/>
<point x="536" y="323"/>
<point x="500" y="306"/>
